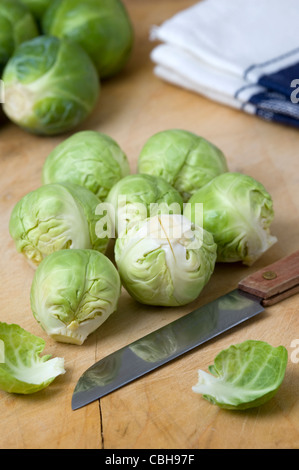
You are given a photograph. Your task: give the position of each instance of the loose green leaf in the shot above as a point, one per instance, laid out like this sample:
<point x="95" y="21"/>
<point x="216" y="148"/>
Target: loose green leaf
<point x="22" y="369"/>
<point x="243" y="376"/>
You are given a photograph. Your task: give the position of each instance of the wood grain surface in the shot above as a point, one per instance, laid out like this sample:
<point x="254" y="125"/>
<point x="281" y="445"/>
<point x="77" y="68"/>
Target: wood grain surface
<point x="158" y="411"/>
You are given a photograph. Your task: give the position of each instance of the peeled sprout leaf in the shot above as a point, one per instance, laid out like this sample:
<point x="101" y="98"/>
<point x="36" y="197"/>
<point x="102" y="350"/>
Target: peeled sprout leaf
<point x="22" y="369"/>
<point x="243" y="376"/>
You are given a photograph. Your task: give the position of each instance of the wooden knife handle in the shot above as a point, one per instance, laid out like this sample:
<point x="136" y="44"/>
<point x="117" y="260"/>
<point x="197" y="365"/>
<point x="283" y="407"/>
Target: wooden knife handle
<point x="275" y="282"/>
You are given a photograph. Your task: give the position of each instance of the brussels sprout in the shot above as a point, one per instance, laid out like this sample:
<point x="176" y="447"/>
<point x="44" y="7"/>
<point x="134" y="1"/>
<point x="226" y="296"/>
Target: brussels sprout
<point x="243" y="376"/>
<point x="137" y="197"/>
<point x="22" y="370"/>
<point x="37" y="7"/>
<point x="51" y="86"/>
<point x="55" y="217"/>
<point x="102" y="27"/>
<point x="87" y="158"/>
<point x="184" y="159"/>
<point x="16" y="26"/>
<point x="238" y="211"/>
<point x="73" y="292"/>
<point x="165" y="260"/>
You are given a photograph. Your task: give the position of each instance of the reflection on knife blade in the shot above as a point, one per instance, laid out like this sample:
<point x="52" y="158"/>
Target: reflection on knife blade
<point x="163" y="345"/>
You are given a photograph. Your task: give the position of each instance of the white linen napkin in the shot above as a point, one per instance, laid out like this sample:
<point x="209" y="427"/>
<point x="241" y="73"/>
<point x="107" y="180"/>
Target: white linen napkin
<point x="242" y="53"/>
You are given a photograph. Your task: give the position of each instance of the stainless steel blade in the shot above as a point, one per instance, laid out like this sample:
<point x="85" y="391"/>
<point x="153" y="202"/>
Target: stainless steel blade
<point x="163" y="345"/>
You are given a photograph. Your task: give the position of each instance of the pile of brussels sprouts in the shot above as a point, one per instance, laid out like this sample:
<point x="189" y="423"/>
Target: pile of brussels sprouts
<point x="182" y="212"/>
<point x="54" y="55"/>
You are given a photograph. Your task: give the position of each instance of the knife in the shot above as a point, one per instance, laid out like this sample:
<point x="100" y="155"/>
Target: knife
<point x="260" y="289"/>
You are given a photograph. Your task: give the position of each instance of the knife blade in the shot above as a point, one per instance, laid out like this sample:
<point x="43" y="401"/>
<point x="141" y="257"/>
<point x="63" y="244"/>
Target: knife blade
<point x="265" y="287"/>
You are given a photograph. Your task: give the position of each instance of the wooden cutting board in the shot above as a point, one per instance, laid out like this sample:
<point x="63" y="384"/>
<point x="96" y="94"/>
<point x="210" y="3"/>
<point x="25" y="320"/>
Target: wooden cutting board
<point x="158" y="411"/>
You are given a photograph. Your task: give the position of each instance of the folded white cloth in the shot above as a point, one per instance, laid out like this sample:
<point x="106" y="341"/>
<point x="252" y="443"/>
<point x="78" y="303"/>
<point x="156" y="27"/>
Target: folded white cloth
<point x="242" y="53"/>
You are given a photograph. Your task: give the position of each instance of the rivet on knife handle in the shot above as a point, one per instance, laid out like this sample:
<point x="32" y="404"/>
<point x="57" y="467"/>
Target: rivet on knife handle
<point x="276" y="282"/>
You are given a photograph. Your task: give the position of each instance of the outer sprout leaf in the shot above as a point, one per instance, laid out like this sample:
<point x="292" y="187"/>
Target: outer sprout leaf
<point x="243" y="376"/>
<point x="23" y="370"/>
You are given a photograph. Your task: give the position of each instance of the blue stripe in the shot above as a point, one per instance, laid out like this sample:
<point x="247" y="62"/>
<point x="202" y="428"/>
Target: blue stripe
<point x="270" y="61"/>
<point x="276" y="107"/>
<point x="281" y="81"/>
<point x="245" y="87"/>
<point x="279" y="118"/>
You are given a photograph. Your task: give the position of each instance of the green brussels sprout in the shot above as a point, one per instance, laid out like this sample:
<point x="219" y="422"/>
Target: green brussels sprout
<point x="165" y="260"/>
<point x="184" y="159"/>
<point x="243" y="376"/>
<point x="87" y="158"/>
<point x="73" y="292"/>
<point x="51" y="86"/>
<point x="37" y="7"/>
<point x="55" y="217"/>
<point x="102" y="27"/>
<point x="137" y="197"/>
<point x="238" y="211"/>
<point x="17" y="25"/>
<point x="22" y="369"/>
